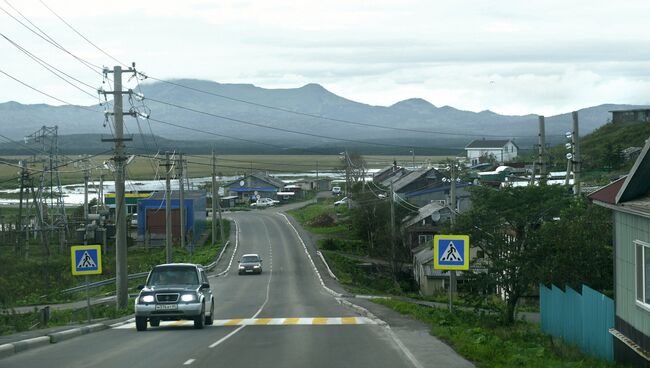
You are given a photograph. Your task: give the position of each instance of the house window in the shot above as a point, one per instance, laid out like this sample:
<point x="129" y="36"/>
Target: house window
<point x="422" y="239"/>
<point x="642" y="273"/>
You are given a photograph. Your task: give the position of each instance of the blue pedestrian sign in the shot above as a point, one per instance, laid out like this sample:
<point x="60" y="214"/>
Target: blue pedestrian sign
<point x="86" y="259"/>
<point x="451" y="252"/>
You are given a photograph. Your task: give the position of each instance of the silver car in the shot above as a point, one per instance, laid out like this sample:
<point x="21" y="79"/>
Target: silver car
<point x="250" y="263"/>
<point x="175" y="291"/>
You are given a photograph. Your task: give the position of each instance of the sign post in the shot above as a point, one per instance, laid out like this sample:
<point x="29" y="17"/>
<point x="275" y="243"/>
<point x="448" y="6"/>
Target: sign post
<point x="451" y="252"/>
<point x="86" y="260"/>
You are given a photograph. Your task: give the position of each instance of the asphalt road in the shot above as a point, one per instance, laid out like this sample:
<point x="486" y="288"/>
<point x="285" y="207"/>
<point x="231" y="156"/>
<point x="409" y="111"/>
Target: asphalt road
<point x="281" y="318"/>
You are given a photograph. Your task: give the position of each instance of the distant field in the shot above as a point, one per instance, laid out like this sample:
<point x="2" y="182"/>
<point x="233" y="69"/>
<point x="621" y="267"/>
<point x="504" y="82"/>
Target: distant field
<point x="200" y="165"/>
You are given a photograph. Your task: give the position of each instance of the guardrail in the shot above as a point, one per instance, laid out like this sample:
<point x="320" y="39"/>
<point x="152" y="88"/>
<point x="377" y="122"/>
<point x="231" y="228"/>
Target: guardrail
<point x="134" y="276"/>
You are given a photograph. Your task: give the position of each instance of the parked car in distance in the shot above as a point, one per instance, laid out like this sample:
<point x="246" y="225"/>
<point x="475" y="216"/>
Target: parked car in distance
<point x="250" y="263"/>
<point x="175" y="291"/>
<point x="264" y="202"/>
<point x="341" y="201"/>
<point x="336" y="190"/>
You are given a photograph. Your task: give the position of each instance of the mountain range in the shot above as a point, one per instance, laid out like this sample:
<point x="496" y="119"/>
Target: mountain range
<point x="346" y="124"/>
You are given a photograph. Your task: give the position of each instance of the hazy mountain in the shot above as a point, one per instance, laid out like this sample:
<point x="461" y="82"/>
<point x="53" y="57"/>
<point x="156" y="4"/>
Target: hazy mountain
<point x="19" y="120"/>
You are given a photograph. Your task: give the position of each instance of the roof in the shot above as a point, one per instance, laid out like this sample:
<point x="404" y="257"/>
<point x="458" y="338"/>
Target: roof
<point x="424" y="256"/>
<point x="187" y="194"/>
<point x="423" y="213"/>
<point x="637" y="183"/>
<point x="413" y="176"/>
<point x="630" y="110"/>
<point x="269" y="179"/>
<point x="607" y="194"/>
<point x="489" y="143"/>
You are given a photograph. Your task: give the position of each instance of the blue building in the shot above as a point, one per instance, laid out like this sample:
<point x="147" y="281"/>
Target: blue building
<point x="151" y="217"/>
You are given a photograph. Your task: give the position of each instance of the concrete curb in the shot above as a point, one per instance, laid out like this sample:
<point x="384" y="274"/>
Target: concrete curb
<point x="363" y="311"/>
<point x="31" y="343"/>
<point x="329" y="270"/>
<point x="10" y="349"/>
<point x="69" y="334"/>
<point x="7" y="350"/>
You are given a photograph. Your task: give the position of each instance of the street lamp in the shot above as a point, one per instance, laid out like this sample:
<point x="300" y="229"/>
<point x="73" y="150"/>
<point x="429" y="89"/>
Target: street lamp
<point x="412" y="150"/>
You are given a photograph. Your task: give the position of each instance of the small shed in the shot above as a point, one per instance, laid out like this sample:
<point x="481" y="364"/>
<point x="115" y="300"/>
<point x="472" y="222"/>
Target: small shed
<point x="630" y="116"/>
<point x="254" y="185"/>
<point x="152" y="220"/>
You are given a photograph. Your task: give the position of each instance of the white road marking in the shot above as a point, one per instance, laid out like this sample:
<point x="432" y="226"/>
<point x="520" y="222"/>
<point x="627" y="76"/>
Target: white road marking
<point x="189" y="361"/>
<point x="268" y="290"/>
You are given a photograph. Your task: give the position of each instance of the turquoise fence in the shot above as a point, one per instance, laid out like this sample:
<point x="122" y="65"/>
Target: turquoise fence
<point x="582" y="319"/>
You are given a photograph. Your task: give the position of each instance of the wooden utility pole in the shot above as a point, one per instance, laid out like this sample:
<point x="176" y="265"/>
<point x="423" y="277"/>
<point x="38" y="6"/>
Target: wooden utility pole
<point x="181" y="197"/>
<point x="214" y="199"/>
<point x="168" y="210"/>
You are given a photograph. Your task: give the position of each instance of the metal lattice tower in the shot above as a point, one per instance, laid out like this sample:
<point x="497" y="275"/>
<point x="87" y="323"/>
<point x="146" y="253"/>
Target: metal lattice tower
<point x="49" y="196"/>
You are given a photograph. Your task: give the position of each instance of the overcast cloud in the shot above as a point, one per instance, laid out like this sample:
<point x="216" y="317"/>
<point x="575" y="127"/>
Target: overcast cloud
<point x="511" y="57"/>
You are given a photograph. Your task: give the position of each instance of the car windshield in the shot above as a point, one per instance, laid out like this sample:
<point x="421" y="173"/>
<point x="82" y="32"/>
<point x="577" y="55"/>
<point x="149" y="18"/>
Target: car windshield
<point x="249" y="259"/>
<point x="173" y="276"/>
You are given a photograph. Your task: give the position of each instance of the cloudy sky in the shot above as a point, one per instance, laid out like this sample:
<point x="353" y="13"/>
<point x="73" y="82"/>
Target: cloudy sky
<point x="511" y="57"/>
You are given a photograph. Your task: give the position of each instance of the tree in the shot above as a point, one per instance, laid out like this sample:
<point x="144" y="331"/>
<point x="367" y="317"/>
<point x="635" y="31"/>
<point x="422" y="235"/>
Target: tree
<point x="578" y="248"/>
<point x="505" y="224"/>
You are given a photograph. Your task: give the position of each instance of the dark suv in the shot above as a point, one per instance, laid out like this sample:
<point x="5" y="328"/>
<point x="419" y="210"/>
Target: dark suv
<point x="175" y="291"/>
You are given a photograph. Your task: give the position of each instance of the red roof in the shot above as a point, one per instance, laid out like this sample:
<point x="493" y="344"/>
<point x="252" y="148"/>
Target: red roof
<point x="607" y="194"/>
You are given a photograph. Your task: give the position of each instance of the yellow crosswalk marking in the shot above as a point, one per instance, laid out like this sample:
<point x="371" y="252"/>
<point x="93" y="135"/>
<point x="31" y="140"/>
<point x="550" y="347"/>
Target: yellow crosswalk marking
<point x="263" y="321"/>
<point x="349" y="320"/>
<point x="233" y="322"/>
<point x="319" y="321"/>
<point x="291" y="321"/>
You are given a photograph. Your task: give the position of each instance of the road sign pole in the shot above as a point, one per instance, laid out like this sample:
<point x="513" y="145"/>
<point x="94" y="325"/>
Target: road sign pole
<point x="88" y="298"/>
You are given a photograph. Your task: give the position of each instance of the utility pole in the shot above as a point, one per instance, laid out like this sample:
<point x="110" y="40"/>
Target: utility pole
<point x="347" y="176"/>
<point x="452" y="204"/>
<point x="214" y="199"/>
<point x="19" y="227"/>
<point x="392" y="223"/>
<point x="540" y="151"/>
<point x="168" y="210"/>
<point x="575" y="138"/>
<point x="181" y="197"/>
<point x="413" y="157"/>
<point x="86" y="175"/>
<point x="121" y="271"/>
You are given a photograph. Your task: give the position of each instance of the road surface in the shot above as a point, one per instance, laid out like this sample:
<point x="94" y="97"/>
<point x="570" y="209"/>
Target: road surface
<point x="281" y="318"/>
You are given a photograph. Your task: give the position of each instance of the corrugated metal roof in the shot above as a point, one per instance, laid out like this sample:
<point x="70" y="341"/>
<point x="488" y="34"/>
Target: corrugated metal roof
<point x="607" y="194"/>
<point x="423" y="213"/>
<point x="413" y="176"/>
<point x="489" y="143"/>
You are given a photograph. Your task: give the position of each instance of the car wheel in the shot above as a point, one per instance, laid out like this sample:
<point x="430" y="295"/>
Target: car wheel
<point x="199" y="321"/>
<point x="154" y="322"/>
<point x="210" y="319"/>
<point x="141" y="323"/>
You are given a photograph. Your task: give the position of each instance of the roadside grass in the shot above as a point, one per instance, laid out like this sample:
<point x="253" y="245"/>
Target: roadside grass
<point x="481" y="339"/>
<point x="40" y="280"/>
<point x="309" y="214"/>
<point x="11" y="323"/>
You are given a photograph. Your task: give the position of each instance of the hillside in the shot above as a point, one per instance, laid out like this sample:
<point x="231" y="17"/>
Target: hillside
<point x="601" y="149"/>
<point x="19" y="120"/>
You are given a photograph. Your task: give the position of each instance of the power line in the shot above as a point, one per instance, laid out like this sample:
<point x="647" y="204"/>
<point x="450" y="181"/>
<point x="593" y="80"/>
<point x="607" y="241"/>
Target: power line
<point x="47" y="66"/>
<point x="86" y="63"/>
<point x="281" y="129"/>
<point x="81" y="35"/>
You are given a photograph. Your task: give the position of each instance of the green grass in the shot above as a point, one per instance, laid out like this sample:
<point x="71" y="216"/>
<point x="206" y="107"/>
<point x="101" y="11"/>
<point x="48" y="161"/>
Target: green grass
<point x="314" y="211"/>
<point x="38" y="280"/>
<point x="483" y="341"/>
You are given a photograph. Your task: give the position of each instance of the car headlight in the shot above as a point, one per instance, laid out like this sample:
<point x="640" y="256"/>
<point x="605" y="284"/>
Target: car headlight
<point x="241" y="267"/>
<point x="146" y="299"/>
<point x="188" y="297"/>
<point x="256" y="266"/>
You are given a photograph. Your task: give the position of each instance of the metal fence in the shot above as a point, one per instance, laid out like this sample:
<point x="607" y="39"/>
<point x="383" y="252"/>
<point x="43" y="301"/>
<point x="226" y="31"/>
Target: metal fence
<point x="135" y="276"/>
<point x="582" y="319"/>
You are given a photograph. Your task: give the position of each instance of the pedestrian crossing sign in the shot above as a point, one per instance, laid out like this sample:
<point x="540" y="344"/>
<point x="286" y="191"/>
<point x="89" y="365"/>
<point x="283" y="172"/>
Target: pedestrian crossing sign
<point x="86" y="259"/>
<point x="451" y="252"/>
